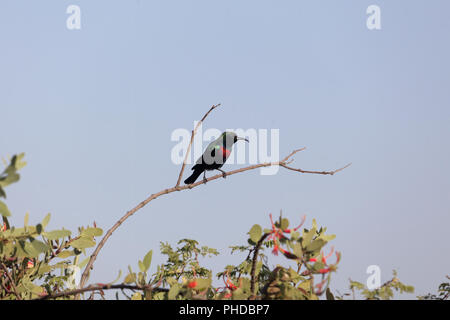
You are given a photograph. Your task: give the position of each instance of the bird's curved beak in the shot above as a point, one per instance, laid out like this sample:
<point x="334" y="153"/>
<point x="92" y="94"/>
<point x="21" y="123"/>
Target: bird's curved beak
<point x="245" y="139"/>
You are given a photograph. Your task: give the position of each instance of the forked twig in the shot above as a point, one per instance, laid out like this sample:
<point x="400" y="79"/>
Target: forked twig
<point x="190" y="143"/>
<point x="100" y="287"/>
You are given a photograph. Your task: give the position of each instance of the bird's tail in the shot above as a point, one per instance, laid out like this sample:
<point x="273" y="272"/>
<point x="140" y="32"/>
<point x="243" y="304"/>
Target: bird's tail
<point x="197" y="172"/>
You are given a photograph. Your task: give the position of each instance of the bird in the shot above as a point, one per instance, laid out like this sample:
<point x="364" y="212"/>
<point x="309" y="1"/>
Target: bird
<point x="214" y="157"/>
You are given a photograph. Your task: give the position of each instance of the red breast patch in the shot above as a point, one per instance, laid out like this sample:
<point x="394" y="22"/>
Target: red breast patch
<point x="225" y="152"/>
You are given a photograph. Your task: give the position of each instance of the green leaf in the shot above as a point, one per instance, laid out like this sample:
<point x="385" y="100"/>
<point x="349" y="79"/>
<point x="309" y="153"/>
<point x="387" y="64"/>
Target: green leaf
<point x="83" y="263"/>
<point x="171" y="281"/>
<point x="315" y="245"/>
<point x="10" y="177"/>
<point x="118" y="277"/>
<point x="141" y="266"/>
<point x="136" y="296"/>
<point x="26" y="249"/>
<point x="46" y="220"/>
<point x="92" y="232"/>
<point x="39" y="246"/>
<point x="314" y="224"/>
<point x="4" y="211"/>
<point x="44" y="268"/>
<point x="284" y="224"/>
<point x="25" y="220"/>
<point x="255" y="233"/>
<point x="174" y="290"/>
<point x="82" y="243"/>
<point x="159" y="295"/>
<point x="65" y="254"/>
<point x="305" y="285"/>
<point x="295" y="235"/>
<point x="327" y="237"/>
<point x="130" y="278"/>
<point x="148" y="260"/>
<point x="27" y="285"/>
<point x="39" y="228"/>
<point x="308" y="236"/>
<point x="202" y="283"/>
<point x="356" y="284"/>
<point x="297" y="249"/>
<point x="409" y="289"/>
<point x="57" y="234"/>
<point x="258" y="268"/>
<point x="19" y="164"/>
<point x="238" y="294"/>
<point x="2" y="192"/>
<point x="329" y="295"/>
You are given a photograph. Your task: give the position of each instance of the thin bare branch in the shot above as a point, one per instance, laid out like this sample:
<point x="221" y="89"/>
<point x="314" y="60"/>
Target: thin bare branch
<point x="108" y="234"/>
<point x="190" y="143"/>
<point x="254" y="260"/>
<point x="11" y="281"/>
<point x="291" y="154"/>
<point x="284" y="165"/>
<point x="100" y="287"/>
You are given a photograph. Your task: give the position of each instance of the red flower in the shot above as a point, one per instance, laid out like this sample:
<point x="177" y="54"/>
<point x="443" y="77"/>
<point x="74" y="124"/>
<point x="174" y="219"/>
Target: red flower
<point x="338" y="257"/>
<point x="228" y="284"/>
<point x="288" y="254"/>
<point x="192" y="284"/>
<point x="324" y="258"/>
<point x="30" y="263"/>
<point x="295" y="229"/>
<point x="329" y="268"/>
<point x="277" y="233"/>
<point x="320" y="287"/>
<point x="275" y="249"/>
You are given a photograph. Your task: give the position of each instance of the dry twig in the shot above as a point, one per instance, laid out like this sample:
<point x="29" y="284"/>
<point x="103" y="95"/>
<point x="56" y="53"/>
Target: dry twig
<point x="11" y="281"/>
<point x="100" y="287"/>
<point x="254" y="260"/>
<point x="190" y="143"/>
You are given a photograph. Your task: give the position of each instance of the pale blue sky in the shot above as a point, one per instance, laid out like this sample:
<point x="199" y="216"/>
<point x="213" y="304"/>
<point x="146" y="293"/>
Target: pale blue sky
<point x="93" y="109"/>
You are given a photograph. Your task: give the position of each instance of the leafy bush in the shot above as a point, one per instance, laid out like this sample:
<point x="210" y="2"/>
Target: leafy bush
<point x="36" y="263"/>
<point x="30" y="256"/>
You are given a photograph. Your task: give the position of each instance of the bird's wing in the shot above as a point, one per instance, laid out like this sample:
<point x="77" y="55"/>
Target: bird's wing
<point x="211" y="150"/>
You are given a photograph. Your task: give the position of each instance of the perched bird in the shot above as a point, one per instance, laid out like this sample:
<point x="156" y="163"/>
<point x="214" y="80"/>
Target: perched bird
<point x="214" y="157"/>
